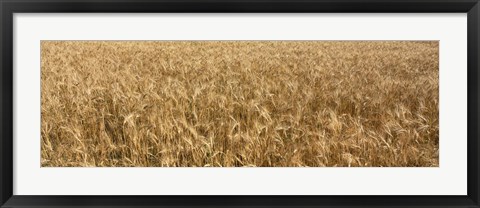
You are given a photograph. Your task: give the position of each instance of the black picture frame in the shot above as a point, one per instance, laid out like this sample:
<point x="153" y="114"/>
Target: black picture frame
<point x="9" y="7"/>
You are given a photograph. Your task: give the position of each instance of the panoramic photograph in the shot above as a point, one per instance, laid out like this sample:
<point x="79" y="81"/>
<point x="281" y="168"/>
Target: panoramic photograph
<point x="239" y="104"/>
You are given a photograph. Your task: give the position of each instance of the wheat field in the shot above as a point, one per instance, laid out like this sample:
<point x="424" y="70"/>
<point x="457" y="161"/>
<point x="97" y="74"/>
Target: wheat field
<point x="239" y="103"/>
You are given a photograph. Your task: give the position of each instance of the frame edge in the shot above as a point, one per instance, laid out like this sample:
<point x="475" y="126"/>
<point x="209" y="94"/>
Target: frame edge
<point x="6" y="97"/>
<point x="6" y="113"/>
<point x="473" y="33"/>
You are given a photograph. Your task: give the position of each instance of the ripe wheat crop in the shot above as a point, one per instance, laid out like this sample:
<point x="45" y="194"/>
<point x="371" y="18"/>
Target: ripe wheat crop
<point x="239" y="103"/>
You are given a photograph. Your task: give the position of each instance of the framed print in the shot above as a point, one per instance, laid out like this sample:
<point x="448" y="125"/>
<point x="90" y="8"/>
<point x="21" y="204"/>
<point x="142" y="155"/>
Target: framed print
<point x="266" y="103"/>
